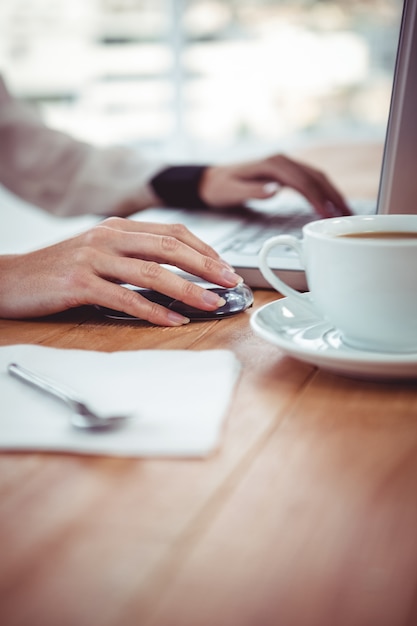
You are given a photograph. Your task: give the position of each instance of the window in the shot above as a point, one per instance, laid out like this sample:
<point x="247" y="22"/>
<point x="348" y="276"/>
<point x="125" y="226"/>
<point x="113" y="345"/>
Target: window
<point x="204" y="77"/>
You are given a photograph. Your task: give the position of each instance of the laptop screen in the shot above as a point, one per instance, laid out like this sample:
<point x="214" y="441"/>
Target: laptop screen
<point x="398" y="184"/>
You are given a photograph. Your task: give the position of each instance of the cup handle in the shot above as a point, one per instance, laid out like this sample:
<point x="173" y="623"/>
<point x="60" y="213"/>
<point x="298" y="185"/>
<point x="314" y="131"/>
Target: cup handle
<point x="273" y="279"/>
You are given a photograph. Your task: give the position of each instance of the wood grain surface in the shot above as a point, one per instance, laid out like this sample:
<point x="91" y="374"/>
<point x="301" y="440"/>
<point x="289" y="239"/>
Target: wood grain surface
<point x="306" y="515"/>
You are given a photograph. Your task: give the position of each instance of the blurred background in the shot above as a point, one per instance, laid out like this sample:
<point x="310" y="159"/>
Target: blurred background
<point x="204" y="79"/>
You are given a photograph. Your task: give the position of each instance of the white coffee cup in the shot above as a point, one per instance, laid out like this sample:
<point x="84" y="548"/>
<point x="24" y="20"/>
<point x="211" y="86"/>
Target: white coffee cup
<point x="365" y="286"/>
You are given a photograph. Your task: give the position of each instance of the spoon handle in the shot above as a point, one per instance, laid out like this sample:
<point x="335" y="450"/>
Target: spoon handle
<point x="45" y="385"/>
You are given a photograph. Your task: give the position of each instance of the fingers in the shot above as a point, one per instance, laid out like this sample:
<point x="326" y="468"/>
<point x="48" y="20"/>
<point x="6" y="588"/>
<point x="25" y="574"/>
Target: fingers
<point x="179" y="231"/>
<point x="118" y="255"/>
<point x="233" y="185"/>
<point x="153" y="276"/>
<point x="140" y="247"/>
<point x="318" y="189"/>
<point x="310" y="182"/>
<point x="132" y="303"/>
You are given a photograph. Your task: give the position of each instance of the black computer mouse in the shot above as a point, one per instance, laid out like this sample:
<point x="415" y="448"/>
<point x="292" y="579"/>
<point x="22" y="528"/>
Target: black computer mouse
<point x="238" y="299"/>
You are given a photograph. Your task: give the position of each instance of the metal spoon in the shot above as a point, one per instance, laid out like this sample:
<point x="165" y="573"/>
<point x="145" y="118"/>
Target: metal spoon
<point x="83" y="416"/>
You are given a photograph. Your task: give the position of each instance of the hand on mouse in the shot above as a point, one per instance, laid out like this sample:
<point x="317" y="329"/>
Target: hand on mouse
<point x="88" y="269"/>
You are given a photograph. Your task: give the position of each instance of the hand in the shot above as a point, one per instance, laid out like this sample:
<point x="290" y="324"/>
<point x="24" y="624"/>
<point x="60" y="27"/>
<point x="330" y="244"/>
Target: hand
<point x="88" y="269"/>
<point x="232" y="185"/>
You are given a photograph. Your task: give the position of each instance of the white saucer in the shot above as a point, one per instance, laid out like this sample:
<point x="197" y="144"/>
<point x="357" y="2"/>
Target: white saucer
<point x="309" y="338"/>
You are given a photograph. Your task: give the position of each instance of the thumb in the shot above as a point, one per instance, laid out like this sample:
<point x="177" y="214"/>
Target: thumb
<point x="258" y="190"/>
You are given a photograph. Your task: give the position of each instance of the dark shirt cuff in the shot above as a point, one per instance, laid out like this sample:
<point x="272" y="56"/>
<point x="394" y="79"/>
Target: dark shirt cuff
<point x="178" y="186"/>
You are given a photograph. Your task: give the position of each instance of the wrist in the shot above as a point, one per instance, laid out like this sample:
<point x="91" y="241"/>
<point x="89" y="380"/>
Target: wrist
<point x="179" y="186"/>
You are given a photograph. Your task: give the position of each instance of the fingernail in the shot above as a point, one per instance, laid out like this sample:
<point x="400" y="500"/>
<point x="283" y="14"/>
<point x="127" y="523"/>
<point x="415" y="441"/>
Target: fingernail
<point x="213" y="299"/>
<point x="270" y="188"/>
<point x="231" y="277"/>
<point x="178" y="319"/>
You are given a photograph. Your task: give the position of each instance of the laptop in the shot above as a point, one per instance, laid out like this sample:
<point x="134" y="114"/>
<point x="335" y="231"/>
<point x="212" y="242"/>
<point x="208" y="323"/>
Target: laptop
<point x="238" y="235"/>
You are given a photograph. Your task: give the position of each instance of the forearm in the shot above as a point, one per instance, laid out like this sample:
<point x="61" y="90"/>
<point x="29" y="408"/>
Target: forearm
<point x="10" y="274"/>
<point x="65" y="176"/>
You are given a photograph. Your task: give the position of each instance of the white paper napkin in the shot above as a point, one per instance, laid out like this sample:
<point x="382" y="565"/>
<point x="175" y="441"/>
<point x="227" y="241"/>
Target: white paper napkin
<point x="177" y="398"/>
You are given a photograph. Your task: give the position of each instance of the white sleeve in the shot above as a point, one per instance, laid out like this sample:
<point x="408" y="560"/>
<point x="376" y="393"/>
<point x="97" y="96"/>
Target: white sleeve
<point x="64" y="176"/>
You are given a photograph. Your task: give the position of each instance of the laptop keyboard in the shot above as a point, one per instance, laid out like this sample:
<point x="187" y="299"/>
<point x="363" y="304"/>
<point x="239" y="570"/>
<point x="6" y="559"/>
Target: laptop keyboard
<point x="245" y="233"/>
<point x="252" y="235"/>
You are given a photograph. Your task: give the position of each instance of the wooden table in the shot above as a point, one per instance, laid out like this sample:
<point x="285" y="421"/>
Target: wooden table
<point x="306" y="515"/>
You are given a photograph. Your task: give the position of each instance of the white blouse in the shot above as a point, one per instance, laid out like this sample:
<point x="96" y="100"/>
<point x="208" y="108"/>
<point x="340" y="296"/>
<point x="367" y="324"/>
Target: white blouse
<point x="68" y="177"/>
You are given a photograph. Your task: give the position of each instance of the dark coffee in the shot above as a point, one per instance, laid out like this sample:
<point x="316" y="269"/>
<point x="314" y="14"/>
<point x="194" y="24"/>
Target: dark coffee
<point x="381" y="235"/>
